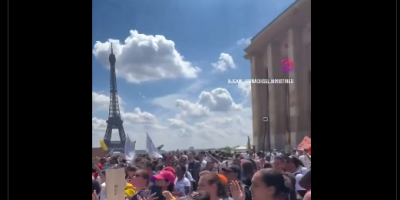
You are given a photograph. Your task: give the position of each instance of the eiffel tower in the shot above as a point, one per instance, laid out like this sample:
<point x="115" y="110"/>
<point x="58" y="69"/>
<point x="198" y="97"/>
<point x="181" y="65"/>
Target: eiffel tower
<point x="114" y="116"/>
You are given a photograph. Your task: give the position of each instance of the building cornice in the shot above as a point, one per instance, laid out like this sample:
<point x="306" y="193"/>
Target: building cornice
<point x="279" y="24"/>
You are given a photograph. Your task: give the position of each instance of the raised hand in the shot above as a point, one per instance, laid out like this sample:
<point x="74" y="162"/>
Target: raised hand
<point x="167" y="195"/>
<point x="237" y="191"/>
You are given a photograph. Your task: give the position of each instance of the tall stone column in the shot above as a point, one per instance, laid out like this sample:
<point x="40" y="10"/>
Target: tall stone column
<point x="276" y="97"/>
<point x="264" y="107"/>
<point x="256" y="65"/>
<point x="300" y="121"/>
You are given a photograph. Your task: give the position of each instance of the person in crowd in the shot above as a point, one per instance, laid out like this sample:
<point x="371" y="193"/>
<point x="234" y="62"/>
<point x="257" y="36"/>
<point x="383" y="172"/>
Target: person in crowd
<point x="267" y="165"/>
<point x="268" y="184"/>
<point x="202" y="161"/>
<point x="183" y="160"/>
<point x="261" y="160"/>
<point x="147" y="165"/>
<point x="159" y="168"/>
<point x="196" y="196"/>
<point x="141" y="180"/>
<point x="182" y="184"/>
<point x="294" y="153"/>
<point x="211" y="183"/>
<point x="95" y="188"/>
<point x="246" y="155"/>
<point x="193" y="166"/>
<point x="279" y="165"/>
<point x="165" y="180"/>
<point x="304" y="157"/>
<point x="114" y="160"/>
<point x="305" y="182"/>
<point x="130" y="171"/>
<point x="297" y="169"/>
<point x="248" y="170"/>
<point x="232" y="175"/>
<point x="166" y="194"/>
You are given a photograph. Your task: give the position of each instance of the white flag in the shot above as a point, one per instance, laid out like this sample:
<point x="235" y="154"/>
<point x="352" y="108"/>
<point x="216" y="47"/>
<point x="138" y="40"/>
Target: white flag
<point x="130" y="152"/>
<point x="151" y="149"/>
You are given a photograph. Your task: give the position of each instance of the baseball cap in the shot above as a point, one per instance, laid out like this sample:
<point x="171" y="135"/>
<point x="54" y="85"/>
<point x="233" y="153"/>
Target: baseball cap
<point x="169" y="169"/>
<point x="231" y="168"/>
<point x="166" y="175"/>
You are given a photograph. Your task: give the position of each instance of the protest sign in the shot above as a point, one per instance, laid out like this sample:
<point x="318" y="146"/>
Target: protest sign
<point x="115" y="184"/>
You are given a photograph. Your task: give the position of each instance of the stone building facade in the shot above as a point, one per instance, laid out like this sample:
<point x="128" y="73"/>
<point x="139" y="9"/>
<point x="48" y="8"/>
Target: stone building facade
<point x="288" y="106"/>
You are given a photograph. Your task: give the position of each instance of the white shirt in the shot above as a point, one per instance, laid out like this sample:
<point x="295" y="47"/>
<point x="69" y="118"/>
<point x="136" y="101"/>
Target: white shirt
<point x="188" y="175"/>
<point x="103" y="193"/>
<point x="298" y="175"/>
<point x="203" y="164"/>
<point x="180" y="185"/>
<point x="305" y="161"/>
<point x="245" y="156"/>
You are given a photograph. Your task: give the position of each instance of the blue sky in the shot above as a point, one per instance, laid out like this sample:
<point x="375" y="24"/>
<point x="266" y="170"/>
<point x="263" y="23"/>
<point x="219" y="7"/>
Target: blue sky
<point x="173" y="61"/>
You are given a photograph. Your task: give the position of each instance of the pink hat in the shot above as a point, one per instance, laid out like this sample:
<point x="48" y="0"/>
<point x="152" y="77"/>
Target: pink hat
<point x="166" y="175"/>
<point x="169" y="169"/>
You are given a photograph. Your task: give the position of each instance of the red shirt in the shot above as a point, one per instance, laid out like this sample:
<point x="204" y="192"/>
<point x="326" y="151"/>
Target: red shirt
<point x="95" y="175"/>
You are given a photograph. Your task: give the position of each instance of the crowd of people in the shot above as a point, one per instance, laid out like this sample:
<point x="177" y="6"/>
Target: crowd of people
<point x="210" y="175"/>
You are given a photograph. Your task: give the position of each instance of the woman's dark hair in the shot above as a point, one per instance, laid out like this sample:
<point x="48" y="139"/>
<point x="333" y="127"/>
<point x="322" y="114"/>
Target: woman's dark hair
<point x="170" y="187"/>
<point x="96" y="186"/>
<point x="130" y="169"/>
<point x="254" y="164"/>
<point x="274" y="178"/>
<point x="213" y="178"/>
<point x="296" y="161"/>
<point x="267" y="165"/>
<point x="159" y="167"/>
<point x="154" y="164"/>
<point x="248" y="169"/>
<point x="93" y="170"/>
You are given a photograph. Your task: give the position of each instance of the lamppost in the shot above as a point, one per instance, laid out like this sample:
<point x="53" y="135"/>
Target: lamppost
<point x="266" y="133"/>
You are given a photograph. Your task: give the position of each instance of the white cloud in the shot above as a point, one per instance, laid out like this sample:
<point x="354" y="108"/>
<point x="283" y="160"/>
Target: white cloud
<point x="145" y="58"/>
<point x="225" y="62"/>
<point x="244" y="41"/>
<point x="139" y="117"/>
<point x="213" y="120"/>
<point x="189" y="109"/>
<point x="218" y="99"/>
<point x="99" y="101"/>
<point x="245" y="88"/>
<point x="102" y="101"/>
<point x="98" y="129"/>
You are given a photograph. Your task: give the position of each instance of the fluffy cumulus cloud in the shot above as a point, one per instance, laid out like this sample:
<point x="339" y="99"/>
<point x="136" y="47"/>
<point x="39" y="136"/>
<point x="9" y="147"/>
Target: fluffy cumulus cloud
<point x="244" y="41"/>
<point x="218" y="99"/>
<point x="213" y="120"/>
<point x="245" y="88"/>
<point x="145" y="58"/>
<point x="224" y="63"/>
